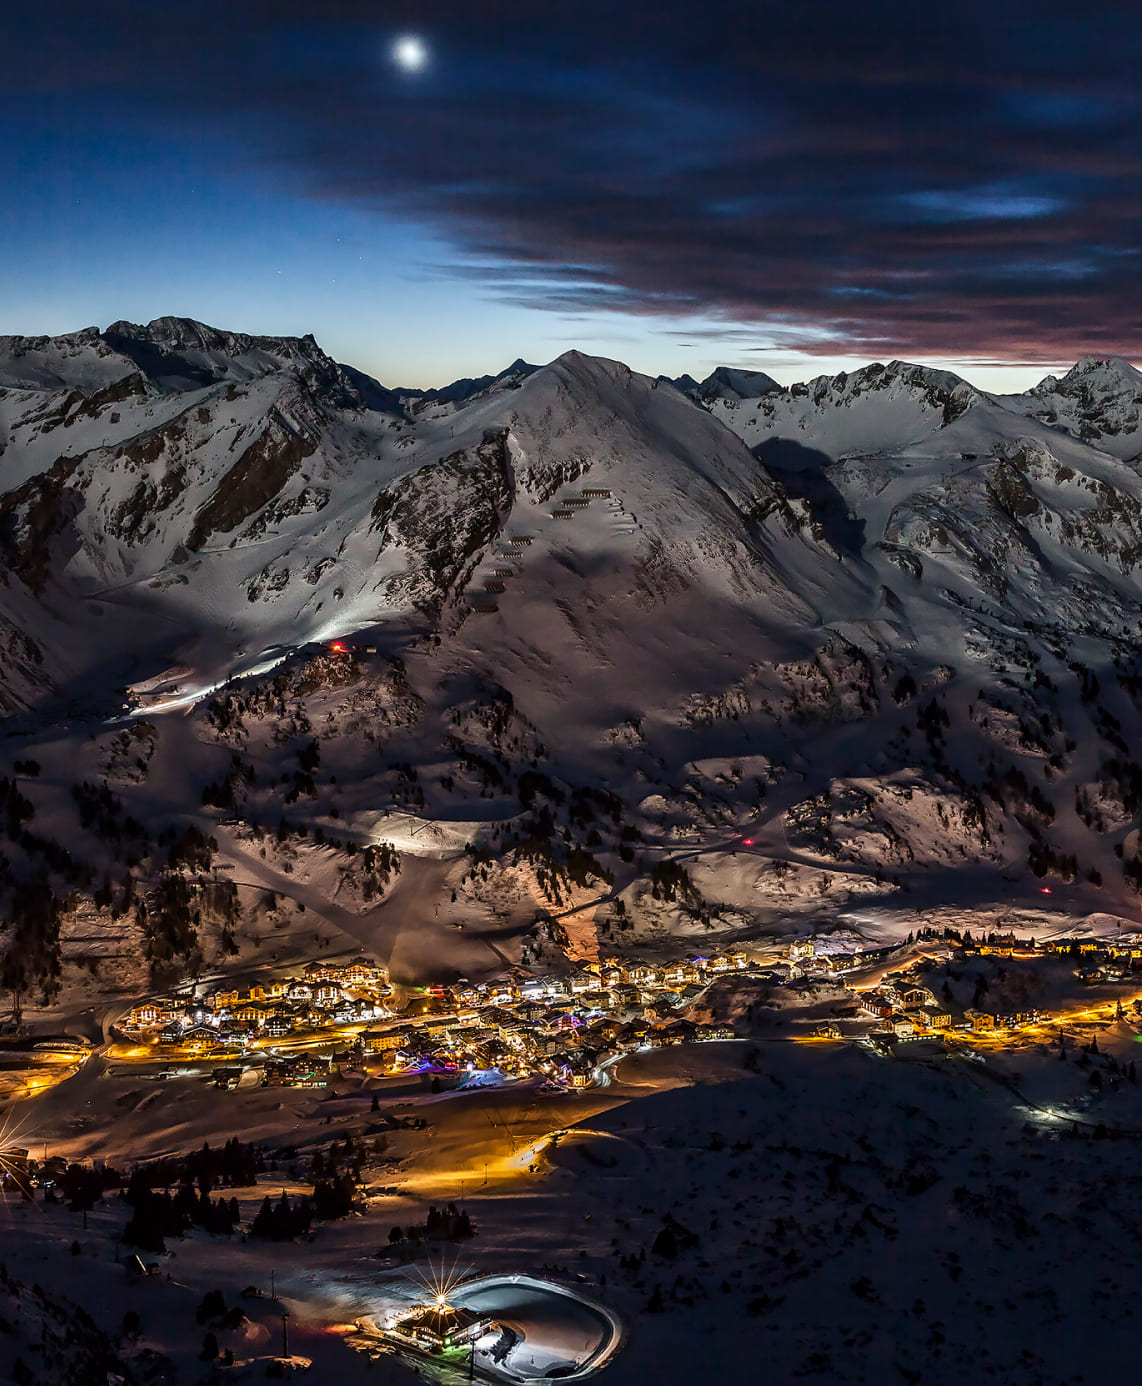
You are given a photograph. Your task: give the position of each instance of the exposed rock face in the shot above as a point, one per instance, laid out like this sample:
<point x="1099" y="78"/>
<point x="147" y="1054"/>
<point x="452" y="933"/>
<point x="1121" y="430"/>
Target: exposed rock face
<point x="445" y="516"/>
<point x="252" y="482"/>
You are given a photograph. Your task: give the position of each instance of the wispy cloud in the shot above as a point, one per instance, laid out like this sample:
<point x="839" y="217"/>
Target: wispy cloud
<point x="890" y="179"/>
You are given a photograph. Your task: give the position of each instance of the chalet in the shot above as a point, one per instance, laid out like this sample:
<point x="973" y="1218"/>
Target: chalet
<point x="438" y="1327"/>
<point x="576" y="1070"/>
<point x="716" y="1030"/>
<point x="632" y="1034"/>
<point x="299" y="991"/>
<point x="200" y="1037"/>
<point x="315" y="972"/>
<point x="171" y="1033"/>
<point x="377" y="1041"/>
<point x="902" y="1026"/>
<point x="595" y="1000"/>
<point x="643" y="975"/>
<point x="679" y="975"/>
<point x="876" y="1006"/>
<point x="353" y="1012"/>
<point x="933" y="1018"/>
<point x="144" y="1017"/>
<point x="298" y="1071"/>
<point x="680" y="1031"/>
<point x="829" y="1030"/>
<point x="980" y="1020"/>
<point x="727" y="962"/>
<point x="438" y="1025"/>
<point x="237" y="995"/>
<point x="363" y="973"/>
<point x="1002" y="945"/>
<point x="327" y="994"/>
<point x="278" y="1026"/>
<point x="582" y="981"/>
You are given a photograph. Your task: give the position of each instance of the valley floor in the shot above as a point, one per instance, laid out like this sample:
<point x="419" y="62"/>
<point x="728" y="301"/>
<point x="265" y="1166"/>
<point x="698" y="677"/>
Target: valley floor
<point x="819" y="1209"/>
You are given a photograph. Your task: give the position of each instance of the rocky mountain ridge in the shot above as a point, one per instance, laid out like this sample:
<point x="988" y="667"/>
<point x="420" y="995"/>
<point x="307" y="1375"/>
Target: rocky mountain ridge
<point x="593" y="628"/>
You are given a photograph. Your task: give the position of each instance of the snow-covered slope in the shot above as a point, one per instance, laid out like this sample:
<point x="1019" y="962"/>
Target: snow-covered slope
<point x="883" y="624"/>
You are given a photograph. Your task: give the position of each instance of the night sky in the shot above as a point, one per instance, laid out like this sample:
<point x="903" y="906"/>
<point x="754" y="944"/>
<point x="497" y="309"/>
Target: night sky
<point x="793" y="187"/>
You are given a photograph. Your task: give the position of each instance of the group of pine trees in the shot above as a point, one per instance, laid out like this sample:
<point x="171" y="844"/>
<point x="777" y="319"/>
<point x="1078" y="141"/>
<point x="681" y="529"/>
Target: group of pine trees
<point x="450" y="1224"/>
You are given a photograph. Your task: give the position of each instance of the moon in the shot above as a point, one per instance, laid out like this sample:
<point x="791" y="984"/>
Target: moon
<point x="410" y="53"/>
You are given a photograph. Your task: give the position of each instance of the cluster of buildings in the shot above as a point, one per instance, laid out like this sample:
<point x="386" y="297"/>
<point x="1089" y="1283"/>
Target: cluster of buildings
<point x="563" y="1026"/>
<point x="905" y="1008"/>
<point x="324" y="996"/>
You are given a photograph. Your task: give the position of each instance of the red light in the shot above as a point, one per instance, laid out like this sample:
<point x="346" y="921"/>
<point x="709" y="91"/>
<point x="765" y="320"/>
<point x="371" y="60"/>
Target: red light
<point x="1044" y="890"/>
<point x="337" y="645"/>
<point x="747" y="841"/>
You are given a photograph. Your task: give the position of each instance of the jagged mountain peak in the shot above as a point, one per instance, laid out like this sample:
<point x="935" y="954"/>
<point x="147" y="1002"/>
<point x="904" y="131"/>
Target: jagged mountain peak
<point x="878" y="375"/>
<point x="1098" y="400"/>
<point x="182" y="353"/>
<point x="725" y="382"/>
<point x="684" y="382"/>
<point x="188" y="334"/>
<point x="1102" y="374"/>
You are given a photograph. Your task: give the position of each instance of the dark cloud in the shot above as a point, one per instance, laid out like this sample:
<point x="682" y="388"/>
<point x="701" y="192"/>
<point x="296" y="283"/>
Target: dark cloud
<point x="878" y="179"/>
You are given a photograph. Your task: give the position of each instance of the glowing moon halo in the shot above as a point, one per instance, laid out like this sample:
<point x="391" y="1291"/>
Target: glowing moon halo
<point x="410" y="53"/>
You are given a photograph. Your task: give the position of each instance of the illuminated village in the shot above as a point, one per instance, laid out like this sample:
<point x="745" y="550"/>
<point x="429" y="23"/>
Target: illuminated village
<point x="332" y="1020"/>
<point x="337" y="1018"/>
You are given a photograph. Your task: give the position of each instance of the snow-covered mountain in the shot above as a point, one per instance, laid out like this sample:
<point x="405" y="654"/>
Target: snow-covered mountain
<point x="884" y="624"/>
<point x="1097" y="400"/>
<point x="726" y="382"/>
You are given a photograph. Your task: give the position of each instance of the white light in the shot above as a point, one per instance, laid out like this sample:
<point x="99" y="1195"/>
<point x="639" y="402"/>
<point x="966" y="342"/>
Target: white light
<point x="410" y="53"/>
